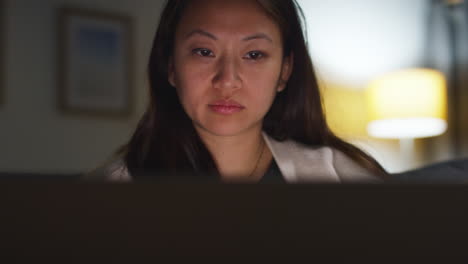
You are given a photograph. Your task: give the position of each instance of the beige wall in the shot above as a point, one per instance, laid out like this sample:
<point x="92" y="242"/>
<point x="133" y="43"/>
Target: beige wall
<point x="34" y="135"/>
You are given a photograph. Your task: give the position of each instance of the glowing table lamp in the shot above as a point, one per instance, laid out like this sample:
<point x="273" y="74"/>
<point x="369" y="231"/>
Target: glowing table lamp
<point x="407" y="104"/>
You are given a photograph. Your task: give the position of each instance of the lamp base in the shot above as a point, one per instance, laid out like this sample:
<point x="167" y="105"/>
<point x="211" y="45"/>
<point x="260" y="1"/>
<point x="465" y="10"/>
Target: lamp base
<point x="407" y="153"/>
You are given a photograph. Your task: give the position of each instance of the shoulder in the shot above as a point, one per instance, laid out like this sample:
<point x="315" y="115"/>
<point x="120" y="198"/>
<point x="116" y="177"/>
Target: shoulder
<point x="303" y="163"/>
<point x="114" y="170"/>
<point x="349" y="170"/>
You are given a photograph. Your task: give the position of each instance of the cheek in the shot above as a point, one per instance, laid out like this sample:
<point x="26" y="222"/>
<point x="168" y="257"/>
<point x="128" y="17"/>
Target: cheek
<point x="263" y="84"/>
<point x="191" y="85"/>
<point x="190" y="73"/>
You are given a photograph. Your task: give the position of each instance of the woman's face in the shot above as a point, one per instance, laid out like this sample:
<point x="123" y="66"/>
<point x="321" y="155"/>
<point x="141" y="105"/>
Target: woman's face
<point x="227" y="65"/>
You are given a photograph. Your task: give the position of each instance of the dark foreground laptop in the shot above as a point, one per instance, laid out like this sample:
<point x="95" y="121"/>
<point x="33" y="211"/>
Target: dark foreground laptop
<point x="80" y="221"/>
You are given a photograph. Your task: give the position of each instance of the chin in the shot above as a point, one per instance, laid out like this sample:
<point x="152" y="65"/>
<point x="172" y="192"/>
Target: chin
<point x="225" y="130"/>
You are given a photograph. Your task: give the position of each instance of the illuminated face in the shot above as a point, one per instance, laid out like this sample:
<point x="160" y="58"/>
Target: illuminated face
<point x="228" y="65"/>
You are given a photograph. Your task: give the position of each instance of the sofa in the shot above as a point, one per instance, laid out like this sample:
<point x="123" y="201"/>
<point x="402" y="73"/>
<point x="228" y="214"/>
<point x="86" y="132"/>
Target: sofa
<point x="453" y="171"/>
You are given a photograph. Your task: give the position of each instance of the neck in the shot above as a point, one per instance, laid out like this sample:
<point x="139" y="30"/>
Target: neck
<point x="243" y="157"/>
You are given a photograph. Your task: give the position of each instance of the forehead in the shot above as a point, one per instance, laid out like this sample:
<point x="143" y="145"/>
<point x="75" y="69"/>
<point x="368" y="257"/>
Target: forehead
<point x="230" y="17"/>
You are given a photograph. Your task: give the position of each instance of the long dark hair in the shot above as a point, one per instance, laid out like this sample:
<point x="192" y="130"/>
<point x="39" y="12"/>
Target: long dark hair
<point x="166" y="140"/>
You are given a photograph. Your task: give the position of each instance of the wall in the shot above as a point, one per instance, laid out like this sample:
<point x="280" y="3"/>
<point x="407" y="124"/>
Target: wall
<point x="453" y="144"/>
<point x="353" y="41"/>
<point x="34" y="135"/>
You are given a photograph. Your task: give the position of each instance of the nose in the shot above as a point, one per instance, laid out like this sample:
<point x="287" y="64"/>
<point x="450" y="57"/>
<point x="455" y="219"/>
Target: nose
<point x="226" y="79"/>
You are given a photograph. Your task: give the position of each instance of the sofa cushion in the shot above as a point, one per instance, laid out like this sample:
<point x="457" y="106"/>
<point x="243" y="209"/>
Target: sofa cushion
<point x="453" y="171"/>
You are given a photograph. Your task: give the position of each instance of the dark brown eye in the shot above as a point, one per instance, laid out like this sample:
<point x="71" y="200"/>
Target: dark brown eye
<point x="203" y="52"/>
<point x="255" y="55"/>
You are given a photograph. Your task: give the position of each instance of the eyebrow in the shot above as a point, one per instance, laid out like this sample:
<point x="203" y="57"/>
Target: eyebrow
<point x="201" y="32"/>
<point x="211" y="36"/>
<point x="258" y="36"/>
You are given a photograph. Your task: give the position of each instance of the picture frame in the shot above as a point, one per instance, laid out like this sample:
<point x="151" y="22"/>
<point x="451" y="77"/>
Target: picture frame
<point x="95" y="63"/>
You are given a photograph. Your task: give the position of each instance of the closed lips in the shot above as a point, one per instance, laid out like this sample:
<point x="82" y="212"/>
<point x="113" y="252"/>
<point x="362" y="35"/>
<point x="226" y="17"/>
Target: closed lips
<point x="226" y="107"/>
<point x="227" y="104"/>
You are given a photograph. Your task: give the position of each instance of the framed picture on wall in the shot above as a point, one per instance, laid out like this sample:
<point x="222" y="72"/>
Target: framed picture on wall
<point x="95" y="63"/>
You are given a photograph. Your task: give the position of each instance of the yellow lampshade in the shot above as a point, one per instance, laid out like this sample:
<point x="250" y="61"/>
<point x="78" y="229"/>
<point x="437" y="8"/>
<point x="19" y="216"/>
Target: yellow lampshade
<point x="407" y="104"/>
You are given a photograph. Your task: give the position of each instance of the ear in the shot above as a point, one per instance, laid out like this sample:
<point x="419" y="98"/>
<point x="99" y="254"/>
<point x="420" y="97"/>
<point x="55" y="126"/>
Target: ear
<point x="171" y="72"/>
<point x="286" y="71"/>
